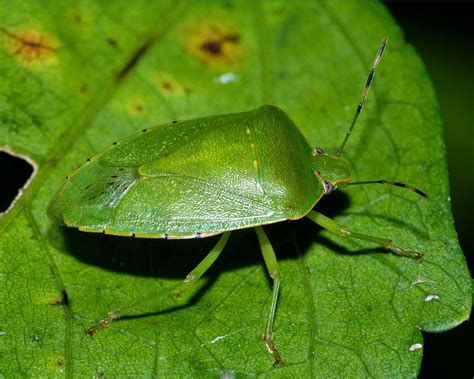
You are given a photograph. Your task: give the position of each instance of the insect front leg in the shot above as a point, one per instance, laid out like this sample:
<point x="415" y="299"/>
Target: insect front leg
<point x="274" y="271"/>
<point x="188" y="283"/>
<point x="342" y="231"/>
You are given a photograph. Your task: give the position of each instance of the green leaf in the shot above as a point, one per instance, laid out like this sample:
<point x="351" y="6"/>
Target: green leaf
<point x="76" y="76"/>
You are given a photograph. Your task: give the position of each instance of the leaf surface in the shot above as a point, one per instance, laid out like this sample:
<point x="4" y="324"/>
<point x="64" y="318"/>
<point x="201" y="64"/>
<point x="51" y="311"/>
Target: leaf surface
<point x="77" y="76"/>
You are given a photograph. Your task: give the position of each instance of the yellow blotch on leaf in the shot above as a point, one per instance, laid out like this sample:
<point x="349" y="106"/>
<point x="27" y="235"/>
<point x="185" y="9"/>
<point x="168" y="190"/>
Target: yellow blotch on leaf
<point x="215" y="45"/>
<point x="30" y="46"/>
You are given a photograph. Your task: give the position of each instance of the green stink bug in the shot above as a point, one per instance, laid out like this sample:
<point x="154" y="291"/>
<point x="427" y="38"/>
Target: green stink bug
<point x="159" y="183"/>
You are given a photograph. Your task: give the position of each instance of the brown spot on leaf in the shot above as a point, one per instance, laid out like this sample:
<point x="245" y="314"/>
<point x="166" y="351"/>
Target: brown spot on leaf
<point x="139" y="107"/>
<point x="212" y="46"/>
<point x="215" y="44"/>
<point x="232" y="37"/>
<point x="83" y="88"/>
<point x="169" y="86"/>
<point x="30" y="46"/>
<point x="59" y="362"/>
<point x="78" y="18"/>
<point x="63" y="300"/>
<point x="177" y="294"/>
<point x="112" y="42"/>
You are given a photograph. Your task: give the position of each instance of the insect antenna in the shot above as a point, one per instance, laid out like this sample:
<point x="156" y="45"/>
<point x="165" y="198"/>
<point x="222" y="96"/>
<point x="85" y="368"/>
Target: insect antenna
<point x="387" y="182"/>
<point x="365" y="91"/>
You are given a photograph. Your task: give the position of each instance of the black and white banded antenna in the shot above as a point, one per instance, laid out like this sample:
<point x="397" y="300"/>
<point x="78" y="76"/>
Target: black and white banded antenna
<point x="365" y="91"/>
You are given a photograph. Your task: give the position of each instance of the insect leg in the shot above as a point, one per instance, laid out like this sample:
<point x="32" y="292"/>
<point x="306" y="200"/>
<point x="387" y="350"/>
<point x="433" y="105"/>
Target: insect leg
<point x="342" y="231"/>
<point x="274" y="271"/>
<point x="207" y="262"/>
<point x="188" y="283"/>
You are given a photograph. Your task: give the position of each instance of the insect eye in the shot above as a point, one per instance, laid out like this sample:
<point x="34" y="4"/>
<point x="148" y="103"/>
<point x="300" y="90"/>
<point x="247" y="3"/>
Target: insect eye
<point x="318" y="151"/>
<point x="327" y="187"/>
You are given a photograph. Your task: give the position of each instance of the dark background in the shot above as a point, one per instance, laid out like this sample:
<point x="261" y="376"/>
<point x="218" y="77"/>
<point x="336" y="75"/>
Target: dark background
<point x="443" y="35"/>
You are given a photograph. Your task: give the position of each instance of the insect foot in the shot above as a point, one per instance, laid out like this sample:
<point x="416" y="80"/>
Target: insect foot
<point x="405" y="253"/>
<point x="268" y="338"/>
<point x="102" y="324"/>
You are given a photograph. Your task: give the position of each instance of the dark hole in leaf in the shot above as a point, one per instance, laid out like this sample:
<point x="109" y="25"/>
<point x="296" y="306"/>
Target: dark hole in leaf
<point x="15" y="172"/>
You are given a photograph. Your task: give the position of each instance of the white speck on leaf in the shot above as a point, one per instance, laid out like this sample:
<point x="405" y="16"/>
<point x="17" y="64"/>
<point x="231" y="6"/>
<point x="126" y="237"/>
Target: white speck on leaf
<point x="218" y="338"/>
<point x="417" y="281"/>
<point x="226" y="78"/>
<point x="227" y="375"/>
<point x="416" y="346"/>
<point x="431" y="298"/>
<point x="3" y="333"/>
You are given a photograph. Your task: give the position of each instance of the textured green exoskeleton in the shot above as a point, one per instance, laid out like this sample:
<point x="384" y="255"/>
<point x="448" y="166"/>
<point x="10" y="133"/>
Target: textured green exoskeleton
<point x="210" y="176"/>
<point x="255" y="166"/>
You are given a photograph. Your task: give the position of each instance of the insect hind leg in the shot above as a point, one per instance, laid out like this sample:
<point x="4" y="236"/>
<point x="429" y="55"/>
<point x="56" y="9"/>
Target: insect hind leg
<point x="274" y="272"/>
<point x="177" y="292"/>
<point x="342" y="231"/>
